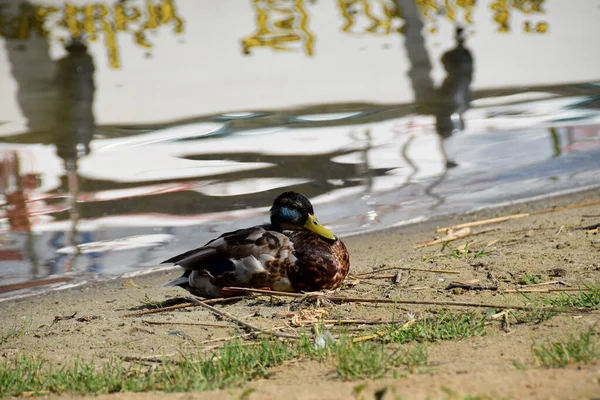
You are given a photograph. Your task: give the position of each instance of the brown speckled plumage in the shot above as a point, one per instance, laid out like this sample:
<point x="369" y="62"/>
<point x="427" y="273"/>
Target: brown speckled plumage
<point x="266" y="256"/>
<point x="320" y="263"/>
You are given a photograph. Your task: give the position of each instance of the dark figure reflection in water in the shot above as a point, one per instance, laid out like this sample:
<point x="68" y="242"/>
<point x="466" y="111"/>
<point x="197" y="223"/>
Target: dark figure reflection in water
<point x="75" y="119"/>
<point x="74" y="130"/>
<point x="454" y="95"/>
<point x="453" y="98"/>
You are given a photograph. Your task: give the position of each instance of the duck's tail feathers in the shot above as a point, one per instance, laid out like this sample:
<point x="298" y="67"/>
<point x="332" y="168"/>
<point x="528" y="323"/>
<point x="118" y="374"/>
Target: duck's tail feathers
<point x="182" y="281"/>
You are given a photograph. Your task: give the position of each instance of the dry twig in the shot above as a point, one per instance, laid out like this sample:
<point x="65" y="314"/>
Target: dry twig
<point x="470" y="286"/>
<point x="154" y="359"/>
<point x="185" y="305"/>
<point x="218" y="324"/>
<point x="517" y="216"/>
<point x="544" y="290"/>
<point x="225" y="314"/>
<point x="546" y="284"/>
<point x="454" y="236"/>
<point x="381" y="301"/>
<point x="569" y="207"/>
<point x="483" y="222"/>
<point x="390" y="276"/>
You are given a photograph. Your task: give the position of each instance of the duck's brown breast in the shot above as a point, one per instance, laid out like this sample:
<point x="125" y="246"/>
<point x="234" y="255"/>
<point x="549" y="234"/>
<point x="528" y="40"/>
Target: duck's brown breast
<point x="320" y="264"/>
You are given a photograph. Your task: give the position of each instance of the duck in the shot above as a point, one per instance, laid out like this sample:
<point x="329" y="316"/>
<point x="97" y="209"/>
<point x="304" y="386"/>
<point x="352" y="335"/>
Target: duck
<point x="294" y="252"/>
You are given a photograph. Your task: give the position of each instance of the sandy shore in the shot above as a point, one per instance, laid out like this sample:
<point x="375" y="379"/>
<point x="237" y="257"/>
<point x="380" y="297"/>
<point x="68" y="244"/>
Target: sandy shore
<point x="547" y="247"/>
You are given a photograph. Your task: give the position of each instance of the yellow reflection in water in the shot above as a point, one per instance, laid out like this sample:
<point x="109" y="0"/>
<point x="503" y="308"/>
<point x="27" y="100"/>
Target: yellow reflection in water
<point x="280" y="25"/>
<point x="92" y="19"/>
<point x="502" y="14"/>
<point x="381" y="16"/>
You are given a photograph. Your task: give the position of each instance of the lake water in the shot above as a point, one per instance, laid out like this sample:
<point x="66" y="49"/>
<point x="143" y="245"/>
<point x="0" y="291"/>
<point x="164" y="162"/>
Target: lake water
<point x="131" y="131"/>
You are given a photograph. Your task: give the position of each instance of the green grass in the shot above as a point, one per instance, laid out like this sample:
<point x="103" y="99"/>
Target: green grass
<point x="537" y="315"/>
<point x="582" y="348"/>
<point x="530" y="280"/>
<point x="445" y="326"/>
<point x="456" y="252"/>
<point x="149" y="302"/>
<point x="371" y="360"/>
<point x="393" y="349"/>
<point x="17" y="330"/>
<point x="590" y="298"/>
<point x="234" y="364"/>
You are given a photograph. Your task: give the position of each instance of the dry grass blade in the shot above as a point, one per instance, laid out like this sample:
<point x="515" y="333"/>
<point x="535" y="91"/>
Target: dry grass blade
<point x="230" y="338"/>
<point x="483" y="222"/>
<point x="470" y="286"/>
<point x="240" y="322"/>
<point x="533" y="285"/>
<point x="391" y="276"/>
<point x="570" y="207"/>
<point x="544" y="290"/>
<point x="218" y="324"/>
<point x="185" y="305"/>
<point x="454" y="236"/>
<point x="516" y="216"/>
<point x="340" y="299"/>
<point x="154" y="359"/>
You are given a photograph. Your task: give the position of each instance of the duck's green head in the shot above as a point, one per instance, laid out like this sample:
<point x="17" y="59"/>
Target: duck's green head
<point x="293" y="211"/>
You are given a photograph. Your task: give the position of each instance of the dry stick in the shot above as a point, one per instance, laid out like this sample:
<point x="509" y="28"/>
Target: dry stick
<point x="484" y="222"/>
<point x="544" y="290"/>
<point x="397" y="277"/>
<point x="384" y="301"/>
<point x="551" y="210"/>
<point x="347" y="321"/>
<point x="185" y="323"/>
<point x="148" y="358"/>
<point x="185" y="305"/>
<point x="546" y="284"/>
<point x="455" y="236"/>
<point x="240" y="322"/>
<point x="466" y="286"/>
<point x="229" y="338"/>
<point x="517" y="216"/>
<point x="386" y="276"/>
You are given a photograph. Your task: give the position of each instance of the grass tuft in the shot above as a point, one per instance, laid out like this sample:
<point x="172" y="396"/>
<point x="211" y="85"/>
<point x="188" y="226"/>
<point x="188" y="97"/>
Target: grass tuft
<point x="17" y="330"/>
<point x="238" y="362"/>
<point x="563" y="352"/>
<point x="584" y="299"/>
<point x="445" y="326"/>
<point x="371" y="360"/>
<point x="234" y="364"/>
<point x="530" y="280"/>
<point x="149" y="302"/>
<point x="537" y="315"/>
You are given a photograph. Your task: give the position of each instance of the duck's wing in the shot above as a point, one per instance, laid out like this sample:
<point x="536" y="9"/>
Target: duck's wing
<point x="245" y="252"/>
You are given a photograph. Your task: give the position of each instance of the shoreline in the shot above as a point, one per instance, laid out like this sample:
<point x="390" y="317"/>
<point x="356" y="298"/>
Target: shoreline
<point x="89" y="321"/>
<point x="567" y="196"/>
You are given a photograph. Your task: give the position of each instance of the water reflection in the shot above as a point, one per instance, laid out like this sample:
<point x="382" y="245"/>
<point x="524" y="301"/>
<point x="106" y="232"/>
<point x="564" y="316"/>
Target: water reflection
<point x="86" y="194"/>
<point x="454" y="95"/>
<point x="93" y="20"/>
<point x="63" y="117"/>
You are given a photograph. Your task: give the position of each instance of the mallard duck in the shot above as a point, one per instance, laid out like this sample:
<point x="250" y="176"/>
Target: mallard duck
<point x="293" y="253"/>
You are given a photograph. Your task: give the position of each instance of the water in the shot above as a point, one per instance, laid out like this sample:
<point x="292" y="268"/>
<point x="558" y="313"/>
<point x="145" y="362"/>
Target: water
<point x="131" y="131"/>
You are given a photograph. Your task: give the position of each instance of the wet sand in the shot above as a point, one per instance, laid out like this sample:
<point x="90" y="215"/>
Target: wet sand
<point x="543" y="246"/>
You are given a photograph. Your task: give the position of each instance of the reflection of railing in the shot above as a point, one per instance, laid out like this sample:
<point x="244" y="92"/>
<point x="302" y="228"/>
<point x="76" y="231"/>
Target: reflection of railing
<point x="382" y="16"/>
<point x="91" y="19"/>
<point x="279" y="26"/>
<point x="502" y="9"/>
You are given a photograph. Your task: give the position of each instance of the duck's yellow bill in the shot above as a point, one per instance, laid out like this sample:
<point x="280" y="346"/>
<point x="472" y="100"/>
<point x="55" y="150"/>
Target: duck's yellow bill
<point x="313" y="225"/>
